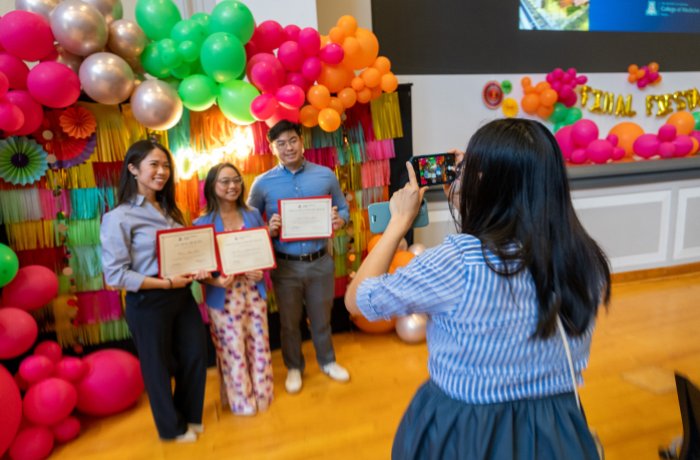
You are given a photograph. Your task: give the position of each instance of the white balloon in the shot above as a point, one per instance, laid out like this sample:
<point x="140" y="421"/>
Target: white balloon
<point x="156" y="105"/>
<point x="42" y="7"/>
<point x="106" y="78"/>
<point x="78" y="27"/>
<point x="411" y="328"/>
<point x="416" y="248"/>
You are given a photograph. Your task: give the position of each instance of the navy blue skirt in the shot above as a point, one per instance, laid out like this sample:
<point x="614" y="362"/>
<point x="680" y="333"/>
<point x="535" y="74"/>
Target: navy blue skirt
<point x="436" y="426"/>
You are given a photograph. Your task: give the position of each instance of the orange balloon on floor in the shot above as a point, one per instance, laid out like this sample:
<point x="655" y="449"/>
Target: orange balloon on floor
<point x="374" y="327"/>
<point x="373" y="242"/>
<point x="401" y="259"/>
<point x="627" y="132"/>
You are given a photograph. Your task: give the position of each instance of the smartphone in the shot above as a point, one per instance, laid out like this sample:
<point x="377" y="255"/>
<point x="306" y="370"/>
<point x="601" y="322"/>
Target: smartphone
<point x="379" y="215"/>
<point x="435" y="169"/>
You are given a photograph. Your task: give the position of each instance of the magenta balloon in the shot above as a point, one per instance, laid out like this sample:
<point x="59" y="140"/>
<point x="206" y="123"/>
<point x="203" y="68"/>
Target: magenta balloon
<point x="11" y="117"/>
<point x="4" y="84"/>
<point x="53" y="84"/>
<point x="296" y="78"/>
<point x="566" y="144"/>
<point x="578" y="156"/>
<point x="646" y="145"/>
<point x="599" y="151"/>
<point x="15" y="70"/>
<point x="35" y="368"/>
<point x="268" y="36"/>
<point x="33" y="286"/>
<point x="291" y="96"/>
<point x="683" y="146"/>
<point x="49" y="401"/>
<point x="283" y="113"/>
<point x="33" y="116"/>
<point x="613" y="139"/>
<point x="263" y="106"/>
<point x="310" y="41"/>
<point x="259" y="57"/>
<point x="291" y="32"/>
<point x="266" y="76"/>
<point x="583" y="132"/>
<point x="11" y="403"/>
<point x="618" y="153"/>
<point x="71" y="369"/>
<point x="112" y="383"/>
<point x="667" y="133"/>
<point x="18" y="331"/>
<point x="667" y="149"/>
<point x="290" y="55"/>
<point x="49" y="348"/>
<point x="311" y="69"/>
<point x="332" y="53"/>
<point x="34" y="442"/>
<point x="26" y="35"/>
<point x="66" y="430"/>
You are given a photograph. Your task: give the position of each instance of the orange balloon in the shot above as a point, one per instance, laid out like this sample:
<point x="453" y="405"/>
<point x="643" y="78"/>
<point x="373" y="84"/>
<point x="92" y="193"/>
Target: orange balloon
<point x="336" y="105"/>
<point x="633" y="68"/>
<point x="530" y="103"/>
<point x="371" y="77"/>
<point x="375" y="93"/>
<point x="347" y="97"/>
<point x="389" y="82"/>
<point x="336" y="35"/>
<point x="627" y="132"/>
<point x="640" y="73"/>
<point x="653" y="67"/>
<point x="319" y="96"/>
<point x="374" y="327"/>
<point x="545" y="111"/>
<point x="631" y="78"/>
<point x="328" y="120"/>
<point x="352" y="50"/>
<point x="548" y="97"/>
<point x="364" y="95"/>
<point x="373" y="241"/>
<point x="348" y="24"/>
<point x="382" y="64"/>
<point x="400" y="259"/>
<point x="683" y="121"/>
<point x="541" y="86"/>
<point x="696" y="146"/>
<point x="308" y="116"/>
<point x="527" y="84"/>
<point x="325" y="39"/>
<point x="335" y="77"/>
<point x="357" y="84"/>
<point x="369" y="46"/>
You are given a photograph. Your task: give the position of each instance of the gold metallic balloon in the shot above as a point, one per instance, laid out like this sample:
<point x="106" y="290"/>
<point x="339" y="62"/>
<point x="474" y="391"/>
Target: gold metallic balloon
<point x="69" y="59"/>
<point x="78" y="27"/>
<point x="42" y="7"/>
<point x="411" y="328"/>
<point x="156" y="105"/>
<point x="106" y="78"/>
<point x="126" y="39"/>
<point x="112" y="10"/>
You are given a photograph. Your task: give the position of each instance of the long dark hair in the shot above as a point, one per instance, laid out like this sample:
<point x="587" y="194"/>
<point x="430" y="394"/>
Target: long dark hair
<point x="514" y="196"/>
<point x="128" y="188"/>
<point x="210" y="186"/>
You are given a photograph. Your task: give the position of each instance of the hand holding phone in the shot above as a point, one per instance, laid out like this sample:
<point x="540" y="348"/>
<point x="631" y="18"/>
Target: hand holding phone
<point x="379" y="216"/>
<point x="435" y="169"/>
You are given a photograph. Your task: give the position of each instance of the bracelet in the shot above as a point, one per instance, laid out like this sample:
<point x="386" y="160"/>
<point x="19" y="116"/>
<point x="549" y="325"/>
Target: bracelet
<point x="170" y="282"/>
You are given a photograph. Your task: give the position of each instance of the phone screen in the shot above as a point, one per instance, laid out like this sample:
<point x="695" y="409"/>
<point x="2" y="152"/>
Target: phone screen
<point x="435" y="169"/>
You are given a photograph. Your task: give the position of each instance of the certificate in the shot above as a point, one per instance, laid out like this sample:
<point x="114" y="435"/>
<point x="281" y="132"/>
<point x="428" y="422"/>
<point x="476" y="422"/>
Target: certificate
<point x="243" y="251"/>
<point x="186" y="250"/>
<point x="306" y="218"/>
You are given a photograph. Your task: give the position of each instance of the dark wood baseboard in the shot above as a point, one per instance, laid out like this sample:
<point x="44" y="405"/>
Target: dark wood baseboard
<point x="660" y="272"/>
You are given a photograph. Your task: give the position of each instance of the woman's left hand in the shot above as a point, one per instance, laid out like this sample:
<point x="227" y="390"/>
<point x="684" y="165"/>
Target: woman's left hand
<point x="254" y="276"/>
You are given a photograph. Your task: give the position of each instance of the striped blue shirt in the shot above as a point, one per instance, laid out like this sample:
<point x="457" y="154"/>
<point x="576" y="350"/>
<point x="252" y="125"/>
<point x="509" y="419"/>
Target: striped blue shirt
<point x="480" y="324"/>
<point x="280" y="183"/>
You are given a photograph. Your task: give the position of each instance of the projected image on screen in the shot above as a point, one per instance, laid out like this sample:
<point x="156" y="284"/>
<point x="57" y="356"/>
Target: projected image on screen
<point x="670" y="16"/>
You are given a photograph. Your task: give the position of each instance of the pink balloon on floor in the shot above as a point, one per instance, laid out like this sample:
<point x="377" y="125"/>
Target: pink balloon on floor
<point x="112" y="383"/>
<point x="18" y="331"/>
<point x="32" y="443"/>
<point x="11" y="403"/>
<point x="49" y="401"/>
<point x="36" y="368"/>
<point x="33" y="287"/>
<point x="49" y="348"/>
<point x="67" y="429"/>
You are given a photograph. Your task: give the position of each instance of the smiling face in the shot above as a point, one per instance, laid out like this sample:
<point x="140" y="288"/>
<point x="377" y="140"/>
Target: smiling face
<point x="152" y="173"/>
<point x="289" y="149"/>
<point x="229" y="185"/>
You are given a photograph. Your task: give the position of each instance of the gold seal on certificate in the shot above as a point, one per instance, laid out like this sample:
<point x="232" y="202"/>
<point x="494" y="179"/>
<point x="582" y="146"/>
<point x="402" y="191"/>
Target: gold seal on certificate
<point x="186" y="250"/>
<point x="306" y="218"/>
<point x="243" y="251"/>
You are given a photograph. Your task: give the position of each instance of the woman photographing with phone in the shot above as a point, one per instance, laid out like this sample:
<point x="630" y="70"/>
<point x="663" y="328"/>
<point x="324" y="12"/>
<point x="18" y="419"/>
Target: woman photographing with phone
<point x="499" y="385"/>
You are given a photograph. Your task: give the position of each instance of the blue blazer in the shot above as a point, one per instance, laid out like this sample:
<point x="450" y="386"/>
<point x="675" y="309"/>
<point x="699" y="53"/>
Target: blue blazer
<point x="216" y="296"/>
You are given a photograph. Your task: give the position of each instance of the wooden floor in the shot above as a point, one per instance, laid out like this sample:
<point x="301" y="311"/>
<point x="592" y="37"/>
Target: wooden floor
<point x="651" y="329"/>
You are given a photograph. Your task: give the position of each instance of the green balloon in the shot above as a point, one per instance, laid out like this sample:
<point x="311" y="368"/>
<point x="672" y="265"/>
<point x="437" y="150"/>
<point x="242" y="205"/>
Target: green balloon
<point x="696" y="115"/>
<point x="189" y="51"/>
<point x="203" y="19"/>
<point x="506" y="86"/>
<point x="559" y="113"/>
<point x="234" y="101"/>
<point x="574" y="114"/>
<point x="9" y="264"/>
<point x="157" y="17"/>
<point x="152" y="62"/>
<point x="188" y="30"/>
<point x="168" y="52"/>
<point x="223" y="56"/>
<point x="182" y="71"/>
<point x="233" y="17"/>
<point x="198" y="92"/>
<point x="558" y="126"/>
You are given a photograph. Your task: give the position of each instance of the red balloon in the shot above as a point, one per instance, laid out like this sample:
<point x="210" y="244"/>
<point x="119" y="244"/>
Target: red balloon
<point x="33" y="287"/>
<point x="18" y="331"/>
<point x="11" y="117"/>
<point x="15" y="70"/>
<point x="35" y="368"/>
<point x="33" y="443"/>
<point x="268" y="35"/>
<point x="11" y="403"/>
<point x="31" y="109"/>
<point x="51" y="349"/>
<point x="71" y="369"/>
<point x="49" y="401"/>
<point x="66" y="430"/>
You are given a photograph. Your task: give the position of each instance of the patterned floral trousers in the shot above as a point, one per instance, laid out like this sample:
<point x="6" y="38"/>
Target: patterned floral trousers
<point x="239" y="333"/>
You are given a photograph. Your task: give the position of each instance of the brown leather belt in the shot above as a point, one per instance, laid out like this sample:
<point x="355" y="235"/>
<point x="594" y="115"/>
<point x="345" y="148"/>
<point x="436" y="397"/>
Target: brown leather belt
<point x="303" y="257"/>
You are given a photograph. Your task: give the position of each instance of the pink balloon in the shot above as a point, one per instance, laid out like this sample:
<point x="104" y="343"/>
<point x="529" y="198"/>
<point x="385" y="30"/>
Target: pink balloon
<point x="66" y="430"/>
<point x="613" y="139"/>
<point x="11" y="403"/>
<point x="683" y="146"/>
<point x="311" y="69"/>
<point x="32" y="443"/>
<point x="268" y="36"/>
<point x="646" y="145"/>
<point x="4" y="84"/>
<point x="15" y="70"/>
<point x="578" y="156"/>
<point x="558" y="73"/>
<point x="35" y="368"/>
<point x="569" y="100"/>
<point x="332" y="53"/>
<point x="599" y="151"/>
<point x="310" y="41"/>
<point x="263" y="106"/>
<point x="11" y="117"/>
<point x="566" y="144"/>
<point x="556" y="86"/>
<point x="33" y="116"/>
<point x="26" y="35"/>
<point x="53" y="84"/>
<point x="49" y="348"/>
<point x="291" y="96"/>
<point x="667" y="149"/>
<point x="112" y="384"/>
<point x="259" y="57"/>
<point x="18" y="331"/>
<point x="290" y="55"/>
<point x="266" y="76"/>
<point x="291" y="32"/>
<point x="667" y="133"/>
<point x="583" y="132"/>
<point x="581" y="80"/>
<point x="296" y="78"/>
<point x="283" y="113"/>
<point x="49" y="401"/>
<point x="71" y="369"/>
<point x="618" y="153"/>
<point x="34" y="285"/>
<point x="22" y="384"/>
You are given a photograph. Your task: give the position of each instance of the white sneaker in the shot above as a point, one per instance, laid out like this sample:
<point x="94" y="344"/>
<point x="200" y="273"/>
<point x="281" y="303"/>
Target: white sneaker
<point x="293" y="382"/>
<point x="336" y="372"/>
<point x="198" y="428"/>
<point x="187" y="436"/>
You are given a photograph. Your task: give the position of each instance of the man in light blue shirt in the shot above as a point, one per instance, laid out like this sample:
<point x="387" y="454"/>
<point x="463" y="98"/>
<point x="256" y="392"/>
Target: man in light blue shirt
<point x="305" y="271"/>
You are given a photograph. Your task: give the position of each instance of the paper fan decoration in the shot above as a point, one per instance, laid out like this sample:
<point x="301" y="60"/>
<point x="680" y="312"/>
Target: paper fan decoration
<point x="22" y="161"/>
<point x="71" y="152"/>
<point x="78" y="122"/>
